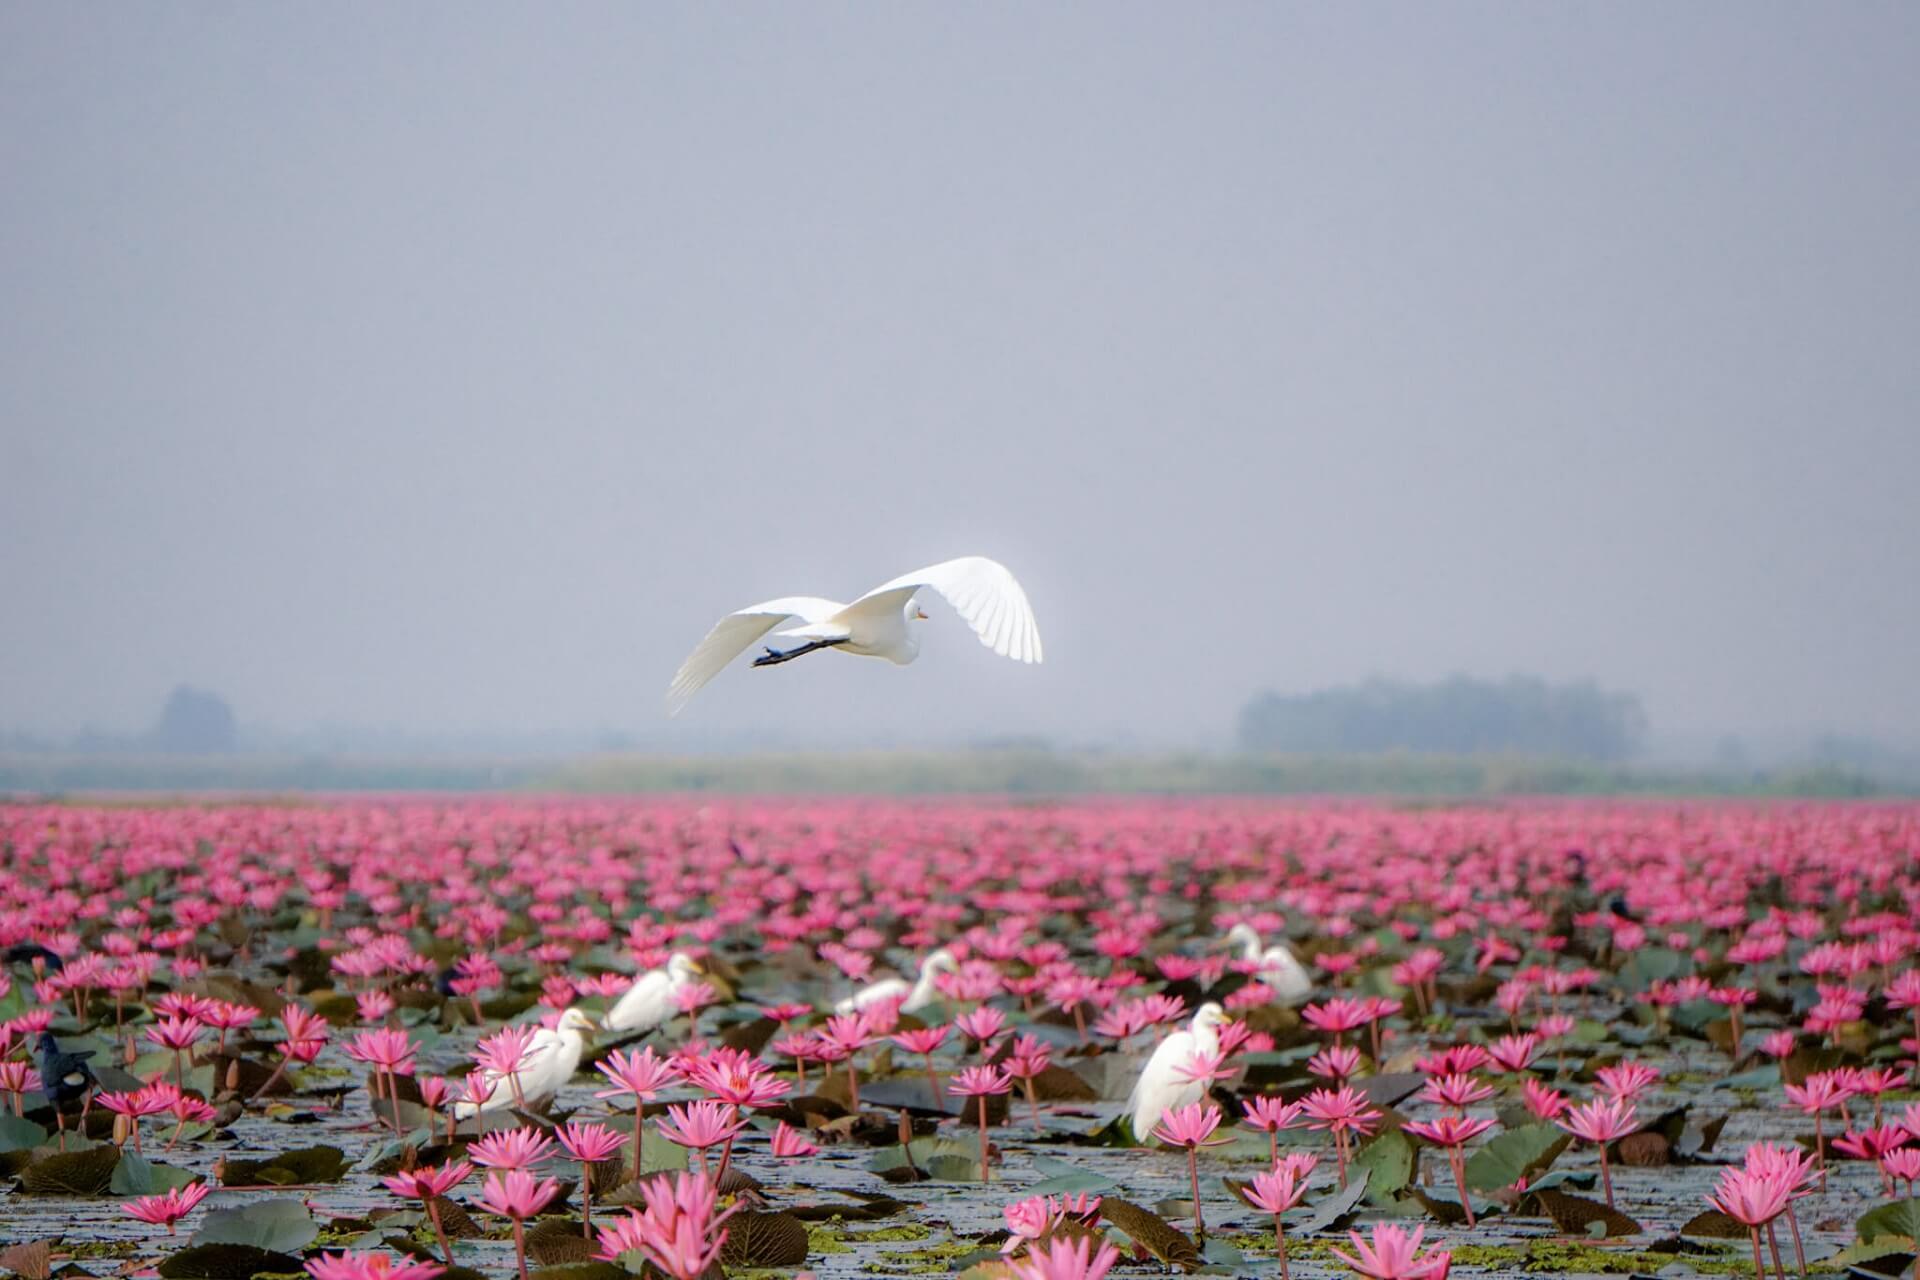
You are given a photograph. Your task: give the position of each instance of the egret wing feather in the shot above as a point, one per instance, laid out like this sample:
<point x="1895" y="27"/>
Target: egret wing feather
<point x="733" y="635"/>
<point x="982" y="591"/>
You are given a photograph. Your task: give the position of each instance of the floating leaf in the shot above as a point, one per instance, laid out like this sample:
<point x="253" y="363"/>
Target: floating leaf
<point x="987" y="1271"/>
<point x="19" y="1134"/>
<point x="1388" y="1162"/>
<point x="1900" y="1218"/>
<point x="1576" y="1215"/>
<point x="1714" y="1225"/>
<point x="1873" y="1250"/>
<point x="1518" y="1153"/>
<point x="76" y="1173"/>
<point x="953" y="1168"/>
<point x="280" y="1225"/>
<point x="1064" y="1178"/>
<point x="30" y="1261"/>
<point x="1644" y="1150"/>
<point x="924" y="1151"/>
<point x="1649" y="965"/>
<point x="136" y="1175"/>
<point x="557" y="1241"/>
<point x="1331" y="1208"/>
<point x="1061" y="1084"/>
<point x="1765" y="1077"/>
<point x="301" y="1167"/>
<point x="1151" y="1232"/>
<point x="657" y="1155"/>
<point x="586" y="1271"/>
<point x="764" y="1240"/>
<point x="227" y="1261"/>
<point x="869" y="1209"/>
<point x="1448" y="1209"/>
<point x="455" y="1220"/>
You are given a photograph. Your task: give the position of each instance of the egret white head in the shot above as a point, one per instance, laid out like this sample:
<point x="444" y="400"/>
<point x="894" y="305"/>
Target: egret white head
<point x="577" y="1020"/>
<point x="1210" y="1016"/>
<point x="1241" y="935"/>
<point x="683" y="966"/>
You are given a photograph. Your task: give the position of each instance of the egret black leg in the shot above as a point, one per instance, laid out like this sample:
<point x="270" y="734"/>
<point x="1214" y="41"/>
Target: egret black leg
<point x="774" y="657"/>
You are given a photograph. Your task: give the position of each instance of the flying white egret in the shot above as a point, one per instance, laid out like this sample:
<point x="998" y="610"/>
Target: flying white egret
<point x="877" y="625"/>
<point x="1279" y="968"/>
<point x="912" y="998"/>
<point x="1160" y="1088"/>
<point x="550" y="1060"/>
<point x="649" y="1002"/>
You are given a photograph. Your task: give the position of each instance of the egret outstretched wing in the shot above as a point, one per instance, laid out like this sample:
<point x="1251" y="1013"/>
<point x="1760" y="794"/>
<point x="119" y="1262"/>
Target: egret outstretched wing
<point x="982" y="591"/>
<point x="732" y="635"/>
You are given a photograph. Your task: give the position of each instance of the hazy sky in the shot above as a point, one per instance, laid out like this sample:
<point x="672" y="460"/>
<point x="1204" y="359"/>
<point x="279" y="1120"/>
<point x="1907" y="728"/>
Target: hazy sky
<point x="454" y="366"/>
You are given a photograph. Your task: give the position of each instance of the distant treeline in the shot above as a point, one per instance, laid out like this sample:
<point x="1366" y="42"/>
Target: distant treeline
<point x="1460" y="717"/>
<point x="1032" y="773"/>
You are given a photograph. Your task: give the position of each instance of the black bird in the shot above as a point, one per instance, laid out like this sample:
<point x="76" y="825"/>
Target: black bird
<point x="65" y="1078"/>
<point x="36" y="955"/>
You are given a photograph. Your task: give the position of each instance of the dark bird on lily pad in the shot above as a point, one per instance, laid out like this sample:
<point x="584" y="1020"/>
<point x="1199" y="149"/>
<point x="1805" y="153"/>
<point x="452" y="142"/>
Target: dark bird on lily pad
<point x="34" y="954"/>
<point x="66" y="1078"/>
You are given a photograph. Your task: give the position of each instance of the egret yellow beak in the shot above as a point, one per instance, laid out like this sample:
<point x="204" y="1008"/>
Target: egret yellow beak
<point x="920" y="614"/>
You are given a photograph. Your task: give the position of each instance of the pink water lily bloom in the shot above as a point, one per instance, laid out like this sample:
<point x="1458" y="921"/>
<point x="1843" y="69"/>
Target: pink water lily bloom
<point x="1601" y="1121"/>
<point x="1393" y="1254"/>
<point x="1067" y="1259"/>
<point x="169" y="1208"/>
<point x="679" y="1231"/>
<point x="370" y="1266"/>
<point x="790" y="1144"/>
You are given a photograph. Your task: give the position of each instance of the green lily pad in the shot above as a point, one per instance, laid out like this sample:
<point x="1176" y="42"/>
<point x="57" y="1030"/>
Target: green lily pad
<point x="279" y="1225"/>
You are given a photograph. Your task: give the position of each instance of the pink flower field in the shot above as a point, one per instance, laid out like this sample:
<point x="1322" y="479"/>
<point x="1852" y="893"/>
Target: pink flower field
<point x="514" y="1037"/>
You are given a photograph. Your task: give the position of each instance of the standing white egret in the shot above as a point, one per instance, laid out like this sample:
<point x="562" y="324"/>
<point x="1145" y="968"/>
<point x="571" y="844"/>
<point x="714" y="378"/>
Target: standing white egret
<point x="912" y="998"/>
<point x="1279" y="969"/>
<point x="551" y="1058"/>
<point x="1160" y="1088"/>
<point x="649" y="1002"/>
<point x="877" y="625"/>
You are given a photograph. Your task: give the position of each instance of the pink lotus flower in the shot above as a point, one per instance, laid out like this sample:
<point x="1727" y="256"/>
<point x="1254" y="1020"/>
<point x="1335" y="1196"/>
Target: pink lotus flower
<point x="369" y="1266"/>
<point x="1337" y="1063"/>
<point x="589" y="1143"/>
<point x="1343" y="1113"/>
<point x="1394" y="1254"/>
<point x="1270" y="1115"/>
<point x="1456" y="1091"/>
<point x="511" y="1149"/>
<point x="1625" y="1080"/>
<point x="1277" y="1191"/>
<point x="1074" y="1259"/>
<point x="679" y="1231"/>
<point x="1452" y="1133"/>
<point x="1601" y="1121"/>
<point x="1338" y="1016"/>
<point x="518" y="1195"/>
<point x="702" y="1124"/>
<point x="642" y="1076"/>
<point x="982" y="1025"/>
<point x="790" y="1144"/>
<point x="1514" y="1053"/>
<point x="1192" y="1127"/>
<point x="982" y="1083"/>
<point x="1755" y="1199"/>
<point x="1544" y="1102"/>
<point x="430" y="1181"/>
<point x="165" y="1210"/>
